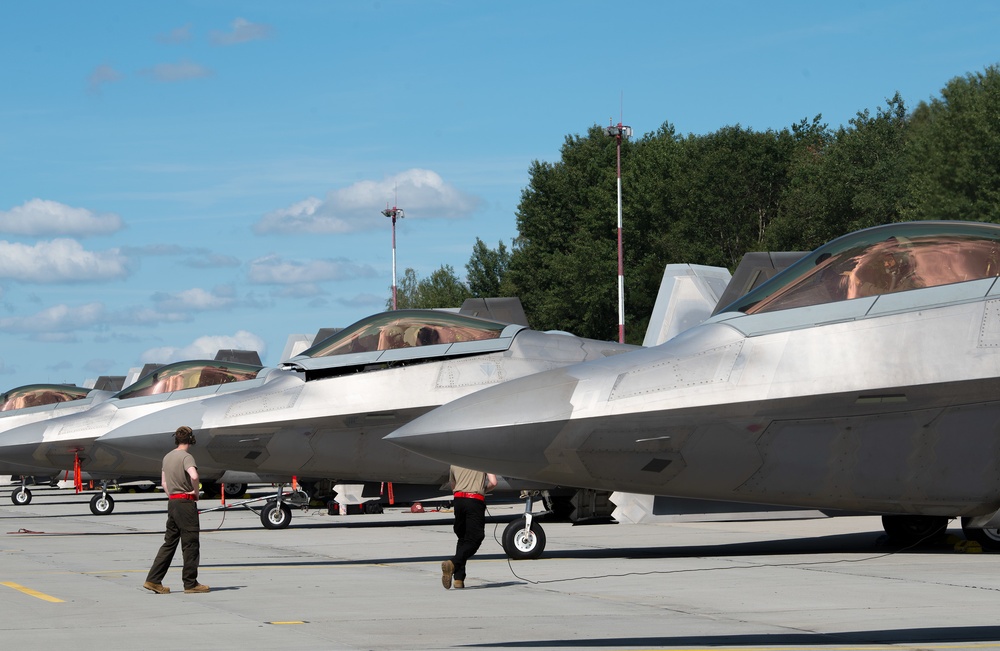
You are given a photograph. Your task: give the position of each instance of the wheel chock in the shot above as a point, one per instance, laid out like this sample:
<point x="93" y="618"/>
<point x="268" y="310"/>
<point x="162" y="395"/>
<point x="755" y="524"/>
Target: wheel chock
<point x="968" y="547"/>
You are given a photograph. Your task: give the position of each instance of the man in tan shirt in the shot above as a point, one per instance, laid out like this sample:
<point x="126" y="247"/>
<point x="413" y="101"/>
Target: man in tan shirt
<point x="179" y="479"/>
<point x="470" y="487"/>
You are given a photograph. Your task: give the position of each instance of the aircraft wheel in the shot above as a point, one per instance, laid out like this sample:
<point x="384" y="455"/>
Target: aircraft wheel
<point x="910" y="530"/>
<point x="273" y="517"/>
<point x="523" y="545"/>
<point x="235" y="490"/>
<point x="988" y="538"/>
<point x="101" y="504"/>
<point x="20" y="496"/>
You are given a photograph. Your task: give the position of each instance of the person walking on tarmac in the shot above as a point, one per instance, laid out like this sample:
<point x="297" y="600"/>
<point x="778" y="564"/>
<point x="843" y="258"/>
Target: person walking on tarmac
<point x="179" y="479"/>
<point x="470" y="487"/>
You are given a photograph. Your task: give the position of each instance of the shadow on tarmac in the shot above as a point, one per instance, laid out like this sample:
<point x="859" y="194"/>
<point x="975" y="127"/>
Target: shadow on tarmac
<point x="937" y="635"/>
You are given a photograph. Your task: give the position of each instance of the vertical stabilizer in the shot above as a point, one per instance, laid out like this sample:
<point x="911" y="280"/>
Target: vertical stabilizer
<point x="688" y="295"/>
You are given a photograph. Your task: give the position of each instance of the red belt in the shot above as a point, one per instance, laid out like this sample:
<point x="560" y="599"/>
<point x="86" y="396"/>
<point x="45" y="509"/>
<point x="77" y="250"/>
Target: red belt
<point x="472" y="496"/>
<point x="184" y="496"/>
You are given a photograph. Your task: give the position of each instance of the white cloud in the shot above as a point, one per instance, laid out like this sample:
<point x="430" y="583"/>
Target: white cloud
<point x="60" y="261"/>
<point x="422" y="194"/>
<point x="58" y="318"/>
<point x="205" y="348"/>
<point x="243" y="31"/>
<point x="178" y="35"/>
<point x="195" y="299"/>
<point x="207" y="260"/>
<point x="102" y="74"/>
<point x="176" y="71"/>
<point x="273" y="270"/>
<point x="303" y="290"/>
<point x="147" y="316"/>
<point x="44" y="217"/>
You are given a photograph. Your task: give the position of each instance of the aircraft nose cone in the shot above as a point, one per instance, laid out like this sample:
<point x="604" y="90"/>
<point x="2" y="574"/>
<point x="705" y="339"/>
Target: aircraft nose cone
<point x="21" y="446"/>
<point x="507" y="429"/>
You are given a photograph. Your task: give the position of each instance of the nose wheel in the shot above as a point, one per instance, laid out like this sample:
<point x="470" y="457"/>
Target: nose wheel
<point x="21" y="496"/>
<point x="524" y="539"/>
<point x="276" y="515"/>
<point x="102" y="503"/>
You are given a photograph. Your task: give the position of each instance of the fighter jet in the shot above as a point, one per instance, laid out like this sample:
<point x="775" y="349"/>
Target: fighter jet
<point x="60" y="437"/>
<point x="35" y="403"/>
<point x="863" y="378"/>
<point x="321" y="414"/>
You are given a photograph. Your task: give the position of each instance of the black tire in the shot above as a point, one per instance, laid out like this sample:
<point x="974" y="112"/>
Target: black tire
<point x="274" y="518"/>
<point x="988" y="538"/>
<point x="20" y="496"/>
<point x="101" y="504"/>
<point x="910" y="530"/>
<point x="234" y="490"/>
<point x="520" y="545"/>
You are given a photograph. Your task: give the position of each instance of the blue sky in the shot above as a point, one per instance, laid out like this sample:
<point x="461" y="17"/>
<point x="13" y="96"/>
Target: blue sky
<point x="181" y="177"/>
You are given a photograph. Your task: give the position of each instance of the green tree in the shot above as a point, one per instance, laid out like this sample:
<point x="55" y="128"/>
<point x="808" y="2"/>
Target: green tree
<point x="843" y="181"/>
<point x="441" y="289"/>
<point x="486" y="270"/>
<point x="954" y="151"/>
<point x="729" y="192"/>
<point x="804" y="204"/>
<point x="407" y="291"/>
<point x="648" y="171"/>
<point x="564" y="263"/>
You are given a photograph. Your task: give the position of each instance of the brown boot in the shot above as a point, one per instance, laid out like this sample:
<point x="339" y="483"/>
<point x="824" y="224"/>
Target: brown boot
<point x="197" y="589"/>
<point x="459" y="583"/>
<point x="447" y="570"/>
<point x="158" y="588"/>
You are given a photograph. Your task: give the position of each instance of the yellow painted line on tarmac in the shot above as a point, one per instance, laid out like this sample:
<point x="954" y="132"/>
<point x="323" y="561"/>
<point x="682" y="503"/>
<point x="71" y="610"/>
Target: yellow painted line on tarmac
<point x="286" y="623"/>
<point x="32" y="593"/>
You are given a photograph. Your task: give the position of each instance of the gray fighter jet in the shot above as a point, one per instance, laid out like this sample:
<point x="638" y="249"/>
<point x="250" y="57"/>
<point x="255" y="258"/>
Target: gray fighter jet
<point x="35" y="403"/>
<point x="60" y="437"/>
<point x="865" y="378"/>
<point x="321" y="414"/>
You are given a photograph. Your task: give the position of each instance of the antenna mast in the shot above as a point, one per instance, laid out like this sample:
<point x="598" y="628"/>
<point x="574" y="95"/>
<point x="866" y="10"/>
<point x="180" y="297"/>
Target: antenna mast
<point x="618" y="132"/>
<point x="393" y="213"/>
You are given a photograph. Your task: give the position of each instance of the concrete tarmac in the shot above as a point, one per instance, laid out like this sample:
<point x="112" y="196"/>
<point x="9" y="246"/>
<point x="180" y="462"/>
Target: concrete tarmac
<point x="69" y="579"/>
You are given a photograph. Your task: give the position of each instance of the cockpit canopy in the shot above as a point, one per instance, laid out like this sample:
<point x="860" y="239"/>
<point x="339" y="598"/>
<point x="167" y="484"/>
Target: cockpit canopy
<point x="35" y="395"/>
<point x="406" y="329"/>
<point x="881" y="260"/>
<point x="189" y="375"/>
<point x="402" y="337"/>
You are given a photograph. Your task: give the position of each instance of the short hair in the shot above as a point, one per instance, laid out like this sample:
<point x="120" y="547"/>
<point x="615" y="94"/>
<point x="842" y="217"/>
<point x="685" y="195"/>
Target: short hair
<point x="184" y="434"/>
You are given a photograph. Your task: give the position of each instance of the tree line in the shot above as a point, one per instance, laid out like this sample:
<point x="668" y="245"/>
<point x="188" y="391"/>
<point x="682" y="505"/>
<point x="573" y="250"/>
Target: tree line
<point x="708" y="199"/>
